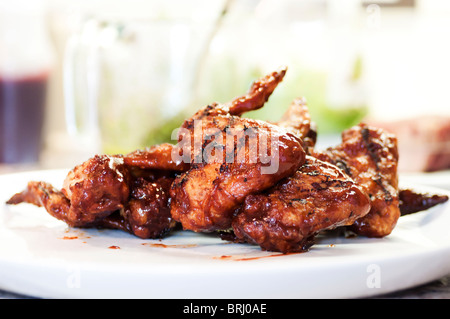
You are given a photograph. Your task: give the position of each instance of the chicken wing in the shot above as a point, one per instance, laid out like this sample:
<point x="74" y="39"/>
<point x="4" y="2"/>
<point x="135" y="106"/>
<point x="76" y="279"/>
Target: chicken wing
<point x="43" y="194"/>
<point x="102" y="192"/>
<point x="231" y="157"/>
<point x="156" y="157"/>
<point x="413" y="202"/>
<point x="298" y="120"/>
<point x="370" y="157"/>
<point x="96" y="188"/>
<point x="257" y="95"/>
<point x="147" y="213"/>
<point x="287" y="217"/>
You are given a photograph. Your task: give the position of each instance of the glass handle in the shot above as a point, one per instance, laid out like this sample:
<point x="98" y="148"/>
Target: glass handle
<point x="69" y="84"/>
<point x="81" y="81"/>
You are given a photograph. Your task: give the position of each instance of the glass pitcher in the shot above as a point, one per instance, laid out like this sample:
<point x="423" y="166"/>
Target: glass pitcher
<point x="128" y="82"/>
<point x="26" y="60"/>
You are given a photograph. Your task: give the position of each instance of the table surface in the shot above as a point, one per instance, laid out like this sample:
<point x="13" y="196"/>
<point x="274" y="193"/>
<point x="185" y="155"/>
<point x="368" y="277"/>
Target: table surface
<point x="438" y="289"/>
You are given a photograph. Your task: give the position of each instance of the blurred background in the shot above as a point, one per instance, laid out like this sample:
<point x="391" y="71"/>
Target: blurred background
<point x="79" y="78"/>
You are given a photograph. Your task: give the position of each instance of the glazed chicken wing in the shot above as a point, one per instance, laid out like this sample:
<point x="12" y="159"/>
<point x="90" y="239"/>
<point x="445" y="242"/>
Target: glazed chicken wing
<point x="412" y="202"/>
<point x="157" y="157"/>
<point x="147" y="213"/>
<point x="369" y="156"/>
<point x="298" y="120"/>
<point x="286" y="217"/>
<point x="96" y="188"/>
<point x="43" y="194"/>
<point x="102" y="192"/>
<point x="231" y="157"/>
<point x="257" y="95"/>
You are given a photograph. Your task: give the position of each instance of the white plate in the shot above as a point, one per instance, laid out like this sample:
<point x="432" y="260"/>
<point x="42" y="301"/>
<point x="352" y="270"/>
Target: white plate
<point x="439" y="179"/>
<point x="42" y="257"/>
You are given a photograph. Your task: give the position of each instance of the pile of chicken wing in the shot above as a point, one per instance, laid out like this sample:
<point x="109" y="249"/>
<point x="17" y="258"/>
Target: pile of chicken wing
<point x="280" y="201"/>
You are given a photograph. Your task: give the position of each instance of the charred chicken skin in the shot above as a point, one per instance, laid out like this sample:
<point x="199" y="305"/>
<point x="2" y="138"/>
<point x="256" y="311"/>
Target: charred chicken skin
<point x="369" y="156"/>
<point x="229" y="165"/>
<point x="286" y="218"/>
